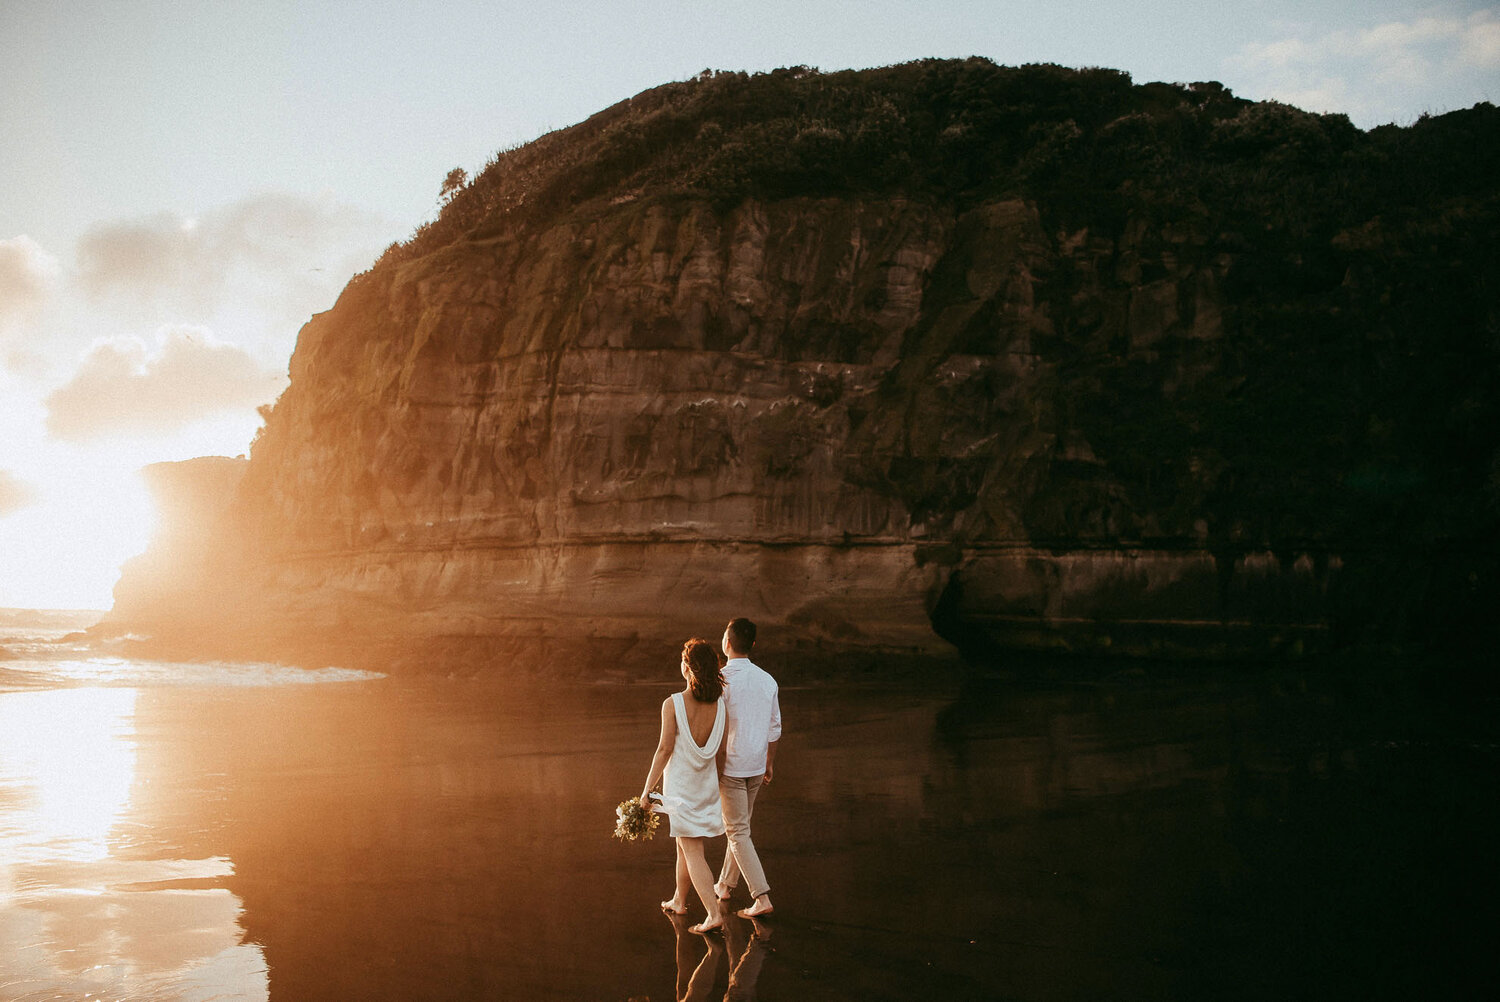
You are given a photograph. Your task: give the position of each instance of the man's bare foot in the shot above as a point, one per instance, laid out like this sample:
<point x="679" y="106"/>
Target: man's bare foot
<point x="674" y="908"/>
<point x="707" y="925"/>
<point x="762" y="907"/>
<point x="722" y="893"/>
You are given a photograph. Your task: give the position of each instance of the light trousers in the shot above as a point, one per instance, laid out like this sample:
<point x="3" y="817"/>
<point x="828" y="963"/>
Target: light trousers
<point x="738" y="796"/>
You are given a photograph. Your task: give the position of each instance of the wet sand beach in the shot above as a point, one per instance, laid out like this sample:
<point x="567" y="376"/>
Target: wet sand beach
<point x="1224" y="835"/>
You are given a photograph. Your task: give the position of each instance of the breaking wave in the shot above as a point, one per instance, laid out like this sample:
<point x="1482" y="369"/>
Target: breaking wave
<point x="37" y="662"/>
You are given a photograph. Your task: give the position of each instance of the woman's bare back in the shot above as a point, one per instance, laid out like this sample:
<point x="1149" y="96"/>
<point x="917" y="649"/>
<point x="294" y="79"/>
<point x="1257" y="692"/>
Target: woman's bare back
<point x="700" y="717"/>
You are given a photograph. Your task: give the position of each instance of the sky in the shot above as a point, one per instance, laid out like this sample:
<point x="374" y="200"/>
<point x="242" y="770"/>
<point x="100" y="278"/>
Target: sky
<point x="186" y="183"/>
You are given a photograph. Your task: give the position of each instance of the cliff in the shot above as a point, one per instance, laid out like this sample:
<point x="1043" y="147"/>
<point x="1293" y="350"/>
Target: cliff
<point x="945" y="352"/>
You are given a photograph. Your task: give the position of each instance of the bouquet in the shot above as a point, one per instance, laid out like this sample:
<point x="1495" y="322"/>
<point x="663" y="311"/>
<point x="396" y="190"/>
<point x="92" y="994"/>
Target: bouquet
<point x="634" y="820"/>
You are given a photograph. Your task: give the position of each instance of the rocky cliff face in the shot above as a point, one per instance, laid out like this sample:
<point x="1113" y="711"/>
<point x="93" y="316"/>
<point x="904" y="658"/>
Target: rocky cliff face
<point x="882" y="420"/>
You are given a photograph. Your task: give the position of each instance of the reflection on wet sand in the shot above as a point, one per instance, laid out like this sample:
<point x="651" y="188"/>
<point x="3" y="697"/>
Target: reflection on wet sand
<point x="435" y="839"/>
<point x="742" y="943"/>
<point x="88" y="906"/>
<point x="747" y="940"/>
<point x="68" y="765"/>
<point x="698" y="958"/>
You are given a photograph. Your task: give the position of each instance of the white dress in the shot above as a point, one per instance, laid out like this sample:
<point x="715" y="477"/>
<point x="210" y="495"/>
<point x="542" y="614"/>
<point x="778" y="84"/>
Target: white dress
<point x="690" y="788"/>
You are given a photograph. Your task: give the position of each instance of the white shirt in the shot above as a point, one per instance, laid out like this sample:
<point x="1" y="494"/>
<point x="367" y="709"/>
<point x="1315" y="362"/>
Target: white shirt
<point x="754" y="717"/>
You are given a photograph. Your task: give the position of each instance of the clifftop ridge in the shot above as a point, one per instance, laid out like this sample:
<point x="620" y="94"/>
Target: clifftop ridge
<point x="964" y="132"/>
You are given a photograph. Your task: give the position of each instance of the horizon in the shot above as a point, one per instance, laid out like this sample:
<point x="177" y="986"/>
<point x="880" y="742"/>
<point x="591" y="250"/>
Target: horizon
<point x="12" y="611"/>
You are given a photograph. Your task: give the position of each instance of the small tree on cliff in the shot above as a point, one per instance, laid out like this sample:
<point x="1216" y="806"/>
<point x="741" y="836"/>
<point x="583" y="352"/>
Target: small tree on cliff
<point x="453" y="184"/>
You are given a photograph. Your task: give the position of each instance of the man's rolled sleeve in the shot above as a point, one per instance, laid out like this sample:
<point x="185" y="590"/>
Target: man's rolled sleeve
<point x="774" y="733"/>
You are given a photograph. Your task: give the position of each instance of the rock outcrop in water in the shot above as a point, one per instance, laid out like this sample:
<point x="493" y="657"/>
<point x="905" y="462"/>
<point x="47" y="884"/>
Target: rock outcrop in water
<point x="1027" y="358"/>
<point x="177" y="587"/>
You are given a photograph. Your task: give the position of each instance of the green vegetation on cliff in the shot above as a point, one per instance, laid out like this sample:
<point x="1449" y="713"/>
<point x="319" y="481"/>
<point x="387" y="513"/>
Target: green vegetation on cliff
<point x="1088" y="145"/>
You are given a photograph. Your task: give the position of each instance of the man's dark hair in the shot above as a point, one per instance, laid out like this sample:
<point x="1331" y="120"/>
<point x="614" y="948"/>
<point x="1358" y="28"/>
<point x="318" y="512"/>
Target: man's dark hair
<point x="741" y="634"/>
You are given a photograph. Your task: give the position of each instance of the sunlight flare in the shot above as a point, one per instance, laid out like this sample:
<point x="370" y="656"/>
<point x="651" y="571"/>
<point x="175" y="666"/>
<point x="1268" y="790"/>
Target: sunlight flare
<point x="67" y="754"/>
<point x="65" y="551"/>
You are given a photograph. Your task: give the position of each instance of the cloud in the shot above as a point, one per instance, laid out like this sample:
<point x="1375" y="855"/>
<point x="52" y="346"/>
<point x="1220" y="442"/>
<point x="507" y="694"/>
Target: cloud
<point x="124" y="386"/>
<point x="1481" y="44"/>
<point x="27" y="276"/>
<point x="1375" y="72"/>
<point x="139" y="256"/>
<point x="15" y="494"/>
<point x="286" y="255"/>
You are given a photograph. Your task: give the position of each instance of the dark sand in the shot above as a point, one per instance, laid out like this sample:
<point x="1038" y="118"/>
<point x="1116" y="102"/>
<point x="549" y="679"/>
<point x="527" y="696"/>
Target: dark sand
<point x="1220" y="835"/>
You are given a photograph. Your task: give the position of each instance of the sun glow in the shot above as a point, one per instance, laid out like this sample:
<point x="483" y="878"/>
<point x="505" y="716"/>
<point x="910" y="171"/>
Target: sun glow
<point x="77" y="510"/>
<point x="65" y="551"/>
<point x="84" y="911"/>
<point x="66" y="755"/>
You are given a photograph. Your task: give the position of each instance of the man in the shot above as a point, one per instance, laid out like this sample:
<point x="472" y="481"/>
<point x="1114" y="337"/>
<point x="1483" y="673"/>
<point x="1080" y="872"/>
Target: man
<point x="752" y="728"/>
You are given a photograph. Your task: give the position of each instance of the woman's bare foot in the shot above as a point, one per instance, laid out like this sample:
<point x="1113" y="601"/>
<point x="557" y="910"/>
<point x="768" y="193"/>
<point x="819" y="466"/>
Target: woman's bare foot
<point x="674" y="907"/>
<point x="707" y="925"/>
<point x="761" y="908"/>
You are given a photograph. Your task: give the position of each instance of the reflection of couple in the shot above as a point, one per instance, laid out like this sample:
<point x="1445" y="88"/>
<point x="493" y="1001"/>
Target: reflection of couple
<point x="745" y="941"/>
<point x="717" y="748"/>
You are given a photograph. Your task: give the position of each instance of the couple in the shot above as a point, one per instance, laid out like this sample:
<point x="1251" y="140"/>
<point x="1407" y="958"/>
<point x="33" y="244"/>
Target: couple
<point x="717" y="747"/>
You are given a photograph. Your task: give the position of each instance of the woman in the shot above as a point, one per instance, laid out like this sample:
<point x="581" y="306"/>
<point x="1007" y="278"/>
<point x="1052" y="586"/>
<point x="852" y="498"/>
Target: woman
<point x="692" y="728"/>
